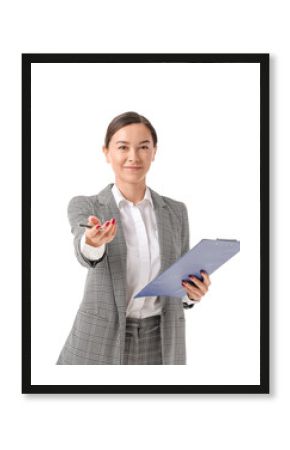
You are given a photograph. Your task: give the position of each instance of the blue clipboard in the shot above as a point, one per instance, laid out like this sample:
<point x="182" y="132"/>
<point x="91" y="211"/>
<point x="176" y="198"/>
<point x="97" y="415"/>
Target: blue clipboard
<point x="208" y="255"/>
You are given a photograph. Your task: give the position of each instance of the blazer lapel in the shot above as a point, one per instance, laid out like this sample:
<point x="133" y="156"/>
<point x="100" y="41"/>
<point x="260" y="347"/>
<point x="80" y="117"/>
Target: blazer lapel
<point x="167" y="256"/>
<point x="116" y="249"/>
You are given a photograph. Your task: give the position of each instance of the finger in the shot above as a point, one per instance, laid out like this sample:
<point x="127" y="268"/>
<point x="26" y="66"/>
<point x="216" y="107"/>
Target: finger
<point x="108" y="225"/>
<point x="91" y="233"/>
<point x="206" y="278"/>
<point x="192" y="296"/>
<point x="108" y="231"/>
<point x="113" y="233"/>
<point x="97" y="230"/>
<point x="202" y="286"/>
<point x="93" y="220"/>
<point x="111" y="229"/>
<point x="192" y="291"/>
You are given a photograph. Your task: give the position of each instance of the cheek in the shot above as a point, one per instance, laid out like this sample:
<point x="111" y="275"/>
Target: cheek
<point x="119" y="160"/>
<point x="116" y="160"/>
<point x="149" y="160"/>
<point x="117" y="163"/>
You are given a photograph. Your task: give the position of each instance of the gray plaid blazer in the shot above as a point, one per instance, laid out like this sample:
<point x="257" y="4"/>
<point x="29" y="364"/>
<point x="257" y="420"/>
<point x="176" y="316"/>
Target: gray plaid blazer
<point x="98" y="332"/>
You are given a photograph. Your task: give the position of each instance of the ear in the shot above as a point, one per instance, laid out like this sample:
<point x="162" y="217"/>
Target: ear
<point x="106" y="153"/>
<point x="154" y="153"/>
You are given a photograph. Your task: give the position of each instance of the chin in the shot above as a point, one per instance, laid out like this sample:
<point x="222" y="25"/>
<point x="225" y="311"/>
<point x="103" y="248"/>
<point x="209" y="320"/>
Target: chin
<point x="133" y="179"/>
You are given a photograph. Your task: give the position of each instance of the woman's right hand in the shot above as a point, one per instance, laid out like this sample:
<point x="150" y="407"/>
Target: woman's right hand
<point x="100" y="234"/>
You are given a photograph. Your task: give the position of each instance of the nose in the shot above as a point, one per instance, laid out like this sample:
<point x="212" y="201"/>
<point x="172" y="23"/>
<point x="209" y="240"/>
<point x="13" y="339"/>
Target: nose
<point x="133" y="155"/>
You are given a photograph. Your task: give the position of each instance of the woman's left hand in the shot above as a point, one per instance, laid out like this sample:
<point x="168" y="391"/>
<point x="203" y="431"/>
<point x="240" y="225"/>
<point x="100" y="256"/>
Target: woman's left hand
<point x="201" y="287"/>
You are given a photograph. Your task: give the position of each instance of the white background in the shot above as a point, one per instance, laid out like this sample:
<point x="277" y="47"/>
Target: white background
<point x="208" y="125"/>
<point x="203" y="421"/>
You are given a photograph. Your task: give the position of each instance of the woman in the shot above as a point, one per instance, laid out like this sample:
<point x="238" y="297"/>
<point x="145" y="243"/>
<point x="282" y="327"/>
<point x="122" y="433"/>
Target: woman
<point x="134" y="234"/>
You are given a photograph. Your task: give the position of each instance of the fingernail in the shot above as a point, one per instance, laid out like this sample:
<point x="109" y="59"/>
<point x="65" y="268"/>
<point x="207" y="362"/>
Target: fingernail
<point x="107" y="224"/>
<point x="98" y="226"/>
<point x="113" y="220"/>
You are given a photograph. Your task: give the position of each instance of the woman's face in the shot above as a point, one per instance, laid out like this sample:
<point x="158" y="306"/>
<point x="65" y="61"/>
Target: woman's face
<point x="130" y="153"/>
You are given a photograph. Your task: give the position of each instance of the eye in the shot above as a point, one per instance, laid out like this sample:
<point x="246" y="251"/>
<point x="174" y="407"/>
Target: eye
<point x="145" y="146"/>
<point x="122" y="147"/>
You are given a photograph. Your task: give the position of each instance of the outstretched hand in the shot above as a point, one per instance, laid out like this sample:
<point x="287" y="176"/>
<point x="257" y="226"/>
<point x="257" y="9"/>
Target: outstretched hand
<point x="100" y="234"/>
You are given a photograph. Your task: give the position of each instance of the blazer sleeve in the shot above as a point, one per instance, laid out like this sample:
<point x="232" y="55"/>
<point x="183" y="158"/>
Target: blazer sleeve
<point x="78" y="211"/>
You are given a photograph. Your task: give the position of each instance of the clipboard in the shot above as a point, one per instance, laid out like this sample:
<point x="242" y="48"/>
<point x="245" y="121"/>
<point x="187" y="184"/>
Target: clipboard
<point x="208" y="255"/>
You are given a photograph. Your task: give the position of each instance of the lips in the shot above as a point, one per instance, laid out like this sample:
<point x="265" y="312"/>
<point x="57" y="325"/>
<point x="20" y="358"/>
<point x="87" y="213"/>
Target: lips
<point x="132" y="167"/>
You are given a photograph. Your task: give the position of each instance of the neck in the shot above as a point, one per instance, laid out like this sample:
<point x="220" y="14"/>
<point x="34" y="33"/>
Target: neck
<point x="132" y="192"/>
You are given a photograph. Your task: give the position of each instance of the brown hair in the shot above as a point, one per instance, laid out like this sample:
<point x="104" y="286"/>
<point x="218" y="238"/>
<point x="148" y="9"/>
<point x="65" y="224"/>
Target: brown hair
<point x="128" y="118"/>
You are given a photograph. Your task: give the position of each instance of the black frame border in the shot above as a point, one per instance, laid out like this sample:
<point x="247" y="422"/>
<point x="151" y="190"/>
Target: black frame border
<point x="261" y="58"/>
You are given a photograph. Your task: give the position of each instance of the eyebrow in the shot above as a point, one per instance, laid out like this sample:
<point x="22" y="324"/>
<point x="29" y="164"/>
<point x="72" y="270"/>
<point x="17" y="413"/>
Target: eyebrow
<point x="126" y="142"/>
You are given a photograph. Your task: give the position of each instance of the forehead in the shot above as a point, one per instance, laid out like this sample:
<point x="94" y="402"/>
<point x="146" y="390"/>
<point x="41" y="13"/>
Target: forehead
<point x="134" y="133"/>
